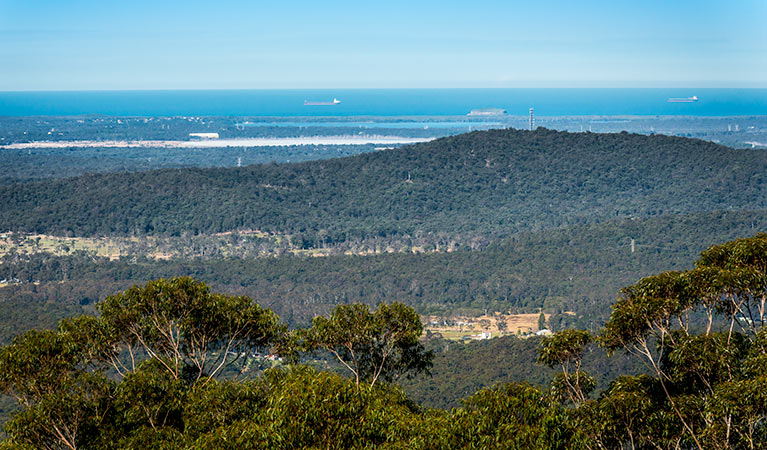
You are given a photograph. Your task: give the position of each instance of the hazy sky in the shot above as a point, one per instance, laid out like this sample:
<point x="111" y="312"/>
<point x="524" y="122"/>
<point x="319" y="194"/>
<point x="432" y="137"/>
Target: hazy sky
<point x="168" y="44"/>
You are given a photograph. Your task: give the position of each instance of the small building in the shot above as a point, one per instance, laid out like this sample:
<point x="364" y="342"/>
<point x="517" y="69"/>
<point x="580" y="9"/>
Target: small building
<point x="487" y="112"/>
<point x="543" y="332"/>
<point x="483" y="336"/>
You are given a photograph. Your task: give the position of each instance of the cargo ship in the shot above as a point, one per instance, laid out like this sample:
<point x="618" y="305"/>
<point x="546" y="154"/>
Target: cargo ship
<point x="694" y="98"/>
<point x="334" y="102"/>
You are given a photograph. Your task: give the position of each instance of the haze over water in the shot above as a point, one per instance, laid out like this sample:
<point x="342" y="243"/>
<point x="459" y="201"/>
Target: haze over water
<point x="387" y="102"/>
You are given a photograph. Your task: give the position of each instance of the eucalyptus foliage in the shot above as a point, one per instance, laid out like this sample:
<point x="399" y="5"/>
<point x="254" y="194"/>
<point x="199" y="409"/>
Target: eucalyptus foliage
<point x="151" y="372"/>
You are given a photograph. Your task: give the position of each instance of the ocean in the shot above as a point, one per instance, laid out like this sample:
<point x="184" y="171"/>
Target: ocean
<point x="386" y="102"/>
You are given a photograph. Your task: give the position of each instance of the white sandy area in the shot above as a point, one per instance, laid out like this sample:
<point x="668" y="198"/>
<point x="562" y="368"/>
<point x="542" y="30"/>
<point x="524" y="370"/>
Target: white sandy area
<point x="216" y="143"/>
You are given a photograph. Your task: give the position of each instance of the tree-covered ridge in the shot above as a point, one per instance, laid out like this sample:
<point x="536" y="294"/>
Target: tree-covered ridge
<point x="705" y="388"/>
<point x="23" y="165"/>
<point x="709" y="381"/>
<point x="500" y="180"/>
<point x="461" y="369"/>
<point x="126" y="376"/>
<point x="572" y="269"/>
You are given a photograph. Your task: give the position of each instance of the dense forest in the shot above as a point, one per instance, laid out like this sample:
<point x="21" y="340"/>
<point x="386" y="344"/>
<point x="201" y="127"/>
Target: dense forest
<point x="503" y="220"/>
<point x="24" y="165"/>
<point x="165" y="365"/>
<point x="462" y="368"/>
<point x="575" y="269"/>
<point x="497" y="181"/>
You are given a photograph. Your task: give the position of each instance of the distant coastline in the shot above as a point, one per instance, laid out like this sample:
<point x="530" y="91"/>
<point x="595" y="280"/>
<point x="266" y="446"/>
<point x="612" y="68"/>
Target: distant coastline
<point x="220" y="143"/>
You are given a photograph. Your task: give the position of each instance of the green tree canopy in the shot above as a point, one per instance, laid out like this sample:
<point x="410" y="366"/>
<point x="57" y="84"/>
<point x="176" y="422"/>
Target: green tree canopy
<point x="707" y="374"/>
<point x="371" y="345"/>
<point x="187" y="329"/>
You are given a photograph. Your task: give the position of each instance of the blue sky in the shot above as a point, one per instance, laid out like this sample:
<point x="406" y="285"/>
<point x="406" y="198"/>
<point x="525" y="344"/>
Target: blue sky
<point x="84" y="44"/>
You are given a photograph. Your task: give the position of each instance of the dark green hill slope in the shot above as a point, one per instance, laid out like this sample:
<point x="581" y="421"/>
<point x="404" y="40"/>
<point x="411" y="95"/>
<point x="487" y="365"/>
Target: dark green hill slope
<point x="463" y="368"/>
<point x="576" y="269"/>
<point x="496" y="181"/>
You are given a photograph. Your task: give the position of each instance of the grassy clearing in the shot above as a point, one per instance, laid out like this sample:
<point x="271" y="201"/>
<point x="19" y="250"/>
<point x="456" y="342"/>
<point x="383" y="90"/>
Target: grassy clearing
<point x="497" y="324"/>
<point x="41" y="243"/>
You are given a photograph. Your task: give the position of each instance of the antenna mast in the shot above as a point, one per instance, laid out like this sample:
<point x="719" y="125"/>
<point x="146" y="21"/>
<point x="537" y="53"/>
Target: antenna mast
<point x="532" y="120"/>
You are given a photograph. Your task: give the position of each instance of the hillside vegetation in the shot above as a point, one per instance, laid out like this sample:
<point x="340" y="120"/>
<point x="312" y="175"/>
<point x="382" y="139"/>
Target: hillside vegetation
<point x="499" y="181"/>
<point x="573" y="269"/>
<point x="461" y="369"/>
<point x="171" y="364"/>
<point x="24" y="165"/>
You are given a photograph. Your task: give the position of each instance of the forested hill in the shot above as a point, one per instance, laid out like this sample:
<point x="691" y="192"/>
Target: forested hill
<point x="493" y="181"/>
<point x="578" y="269"/>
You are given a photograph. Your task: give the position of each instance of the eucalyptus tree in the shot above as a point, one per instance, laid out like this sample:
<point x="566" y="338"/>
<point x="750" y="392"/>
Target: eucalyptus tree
<point x="709" y="378"/>
<point x="382" y="344"/>
<point x="122" y="378"/>
<point x="64" y="401"/>
<point x="565" y="349"/>
<point x="188" y="330"/>
<point x="514" y="416"/>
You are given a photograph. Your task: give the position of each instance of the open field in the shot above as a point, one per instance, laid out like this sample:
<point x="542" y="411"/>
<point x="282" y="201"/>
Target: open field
<point x="497" y="324"/>
<point x="28" y="244"/>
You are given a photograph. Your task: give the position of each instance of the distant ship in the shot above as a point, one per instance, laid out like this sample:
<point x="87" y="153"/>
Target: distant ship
<point x="694" y="98"/>
<point x="334" y="102"/>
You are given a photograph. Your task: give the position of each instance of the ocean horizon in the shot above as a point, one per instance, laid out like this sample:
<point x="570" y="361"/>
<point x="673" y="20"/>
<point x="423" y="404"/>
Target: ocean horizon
<point x="389" y="102"/>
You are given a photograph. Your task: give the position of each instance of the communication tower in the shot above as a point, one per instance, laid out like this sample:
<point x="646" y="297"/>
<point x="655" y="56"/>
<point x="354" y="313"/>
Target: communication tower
<point x="532" y="120"/>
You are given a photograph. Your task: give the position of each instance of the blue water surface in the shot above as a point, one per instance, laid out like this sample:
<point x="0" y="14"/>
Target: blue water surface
<point x="386" y="102"/>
